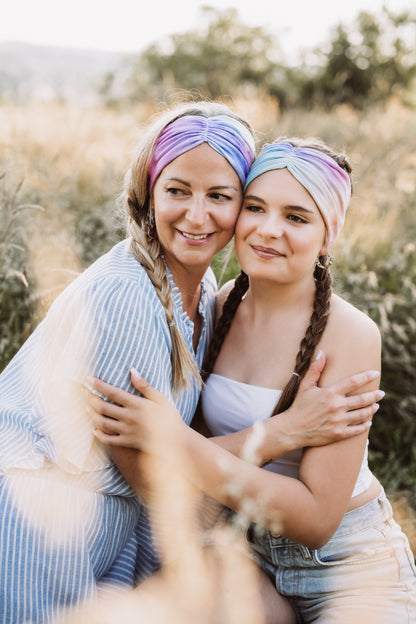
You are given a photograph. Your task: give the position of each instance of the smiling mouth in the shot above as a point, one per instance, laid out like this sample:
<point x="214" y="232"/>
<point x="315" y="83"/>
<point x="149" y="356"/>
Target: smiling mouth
<point x="266" y="251"/>
<point x="195" y="236"/>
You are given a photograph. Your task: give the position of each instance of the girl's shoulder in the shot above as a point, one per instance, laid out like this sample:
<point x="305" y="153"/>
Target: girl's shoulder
<point x="350" y="327"/>
<point x="351" y="341"/>
<point x="221" y="297"/>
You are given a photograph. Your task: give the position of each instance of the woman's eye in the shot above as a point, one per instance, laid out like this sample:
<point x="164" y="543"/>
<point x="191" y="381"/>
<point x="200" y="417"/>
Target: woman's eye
<point x="172" y="190"/>
<point x="220" y="197"/>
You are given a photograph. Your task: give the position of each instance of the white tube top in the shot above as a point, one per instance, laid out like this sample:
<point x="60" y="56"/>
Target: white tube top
<point x="230" y="406"/>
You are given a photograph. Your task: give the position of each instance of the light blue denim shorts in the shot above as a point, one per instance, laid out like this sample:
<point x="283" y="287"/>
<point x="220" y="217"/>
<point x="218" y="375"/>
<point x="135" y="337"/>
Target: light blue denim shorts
<point x="365" y="574"/>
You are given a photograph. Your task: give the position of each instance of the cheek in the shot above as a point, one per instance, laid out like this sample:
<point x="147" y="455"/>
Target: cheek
<point x="242" y="229"/>
<point x="227" y="218"/>
<point x="241" y="225"/>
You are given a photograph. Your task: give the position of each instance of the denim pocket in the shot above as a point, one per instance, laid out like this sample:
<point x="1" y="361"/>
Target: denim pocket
<point x="361" y="547"/>
<point x="285" y="553"/>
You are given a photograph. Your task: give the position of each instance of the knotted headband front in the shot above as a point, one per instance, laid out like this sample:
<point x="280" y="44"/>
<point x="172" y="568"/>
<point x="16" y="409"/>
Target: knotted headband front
<point x="327" y="183"/>
<point x="226" y="135"/>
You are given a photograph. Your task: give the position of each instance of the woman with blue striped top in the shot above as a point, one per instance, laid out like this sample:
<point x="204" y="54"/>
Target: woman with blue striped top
<point x="71" y="525"/>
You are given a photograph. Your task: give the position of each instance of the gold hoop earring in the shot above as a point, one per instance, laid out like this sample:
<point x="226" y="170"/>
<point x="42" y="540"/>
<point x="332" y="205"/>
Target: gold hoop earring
<point x="327" y="259"/>
<point x="151" y="225"/>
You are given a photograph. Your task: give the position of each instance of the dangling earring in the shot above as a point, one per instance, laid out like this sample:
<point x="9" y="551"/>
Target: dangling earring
<point x="151" y="225"/>
<point x="327" y="261"/>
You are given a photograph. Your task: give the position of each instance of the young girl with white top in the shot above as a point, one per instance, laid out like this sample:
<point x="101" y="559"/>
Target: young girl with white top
<point x="321" y="526"/>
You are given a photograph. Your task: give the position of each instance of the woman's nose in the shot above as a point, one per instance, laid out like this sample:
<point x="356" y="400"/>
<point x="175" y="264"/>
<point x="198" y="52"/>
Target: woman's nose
<point x="197" y="211"/>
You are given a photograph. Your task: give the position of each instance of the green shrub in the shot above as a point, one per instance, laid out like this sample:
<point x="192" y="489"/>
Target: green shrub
<point x="385" y="288"/>
<point x="16" y="301"/>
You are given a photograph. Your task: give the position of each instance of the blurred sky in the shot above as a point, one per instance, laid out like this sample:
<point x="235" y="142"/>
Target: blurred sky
<point x="130" y="25"/>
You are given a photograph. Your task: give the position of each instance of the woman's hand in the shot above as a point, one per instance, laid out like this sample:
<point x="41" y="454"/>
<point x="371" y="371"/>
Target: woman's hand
<point x="318" y="416"/>
<point x="139" y="422"/>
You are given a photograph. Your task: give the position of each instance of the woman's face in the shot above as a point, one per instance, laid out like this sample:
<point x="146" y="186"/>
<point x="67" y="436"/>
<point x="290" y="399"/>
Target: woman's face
<point x="196" y="199"/>
<point x="280" y="231"/>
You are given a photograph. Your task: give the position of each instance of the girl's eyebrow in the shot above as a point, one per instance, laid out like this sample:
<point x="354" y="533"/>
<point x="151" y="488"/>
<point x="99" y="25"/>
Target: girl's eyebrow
<point x="255" y="198"/>
<point x="300" y="209"/>
<point x="211" y="188"/>
<point x="259" y="200"/>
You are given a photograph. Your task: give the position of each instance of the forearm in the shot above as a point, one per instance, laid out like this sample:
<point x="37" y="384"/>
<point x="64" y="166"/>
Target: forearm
<point x="133" y="466"/>
<point x="278" y="503"/>
<point x="266" y="441"/>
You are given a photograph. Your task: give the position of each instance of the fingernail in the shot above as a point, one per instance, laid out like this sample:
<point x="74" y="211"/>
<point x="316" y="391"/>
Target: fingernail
<point x="376" y="407"/>
<point x="136" y="373"/>
<point x="319" y="355"/>
<point x="374" y="374"/>
<point x="382" y="394"/>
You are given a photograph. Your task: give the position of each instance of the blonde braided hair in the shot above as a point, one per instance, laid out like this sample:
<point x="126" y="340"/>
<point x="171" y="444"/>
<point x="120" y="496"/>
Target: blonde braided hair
<point x="148" y="251"/>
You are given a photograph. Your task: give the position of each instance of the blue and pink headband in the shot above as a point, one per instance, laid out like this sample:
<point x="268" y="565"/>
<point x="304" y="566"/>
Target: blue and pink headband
<point x="327" y="183"/>
<point x="226" y="135"/>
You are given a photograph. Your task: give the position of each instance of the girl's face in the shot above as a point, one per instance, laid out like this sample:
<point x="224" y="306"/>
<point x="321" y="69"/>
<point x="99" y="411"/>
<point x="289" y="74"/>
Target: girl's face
<point x="280" y="231"/>
<point x="196" y="199"/>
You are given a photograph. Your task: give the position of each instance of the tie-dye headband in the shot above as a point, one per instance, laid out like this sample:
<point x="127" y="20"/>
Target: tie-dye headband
<point x="228" y="136"/>
<point x="328" y="184"/>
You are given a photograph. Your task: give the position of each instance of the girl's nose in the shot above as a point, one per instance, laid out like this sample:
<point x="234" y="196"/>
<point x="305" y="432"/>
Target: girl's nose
<point x="271" y="226"/>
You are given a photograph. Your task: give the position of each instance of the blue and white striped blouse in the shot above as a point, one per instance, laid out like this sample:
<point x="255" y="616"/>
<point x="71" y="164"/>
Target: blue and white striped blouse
<point x="108" y="320"/>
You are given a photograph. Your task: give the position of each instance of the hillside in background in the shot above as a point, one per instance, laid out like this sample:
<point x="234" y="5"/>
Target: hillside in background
<point x="47" y="73"/>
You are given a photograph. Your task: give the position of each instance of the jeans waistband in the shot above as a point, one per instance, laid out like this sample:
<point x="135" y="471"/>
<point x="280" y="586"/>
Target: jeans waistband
<point x="377" y="510"/>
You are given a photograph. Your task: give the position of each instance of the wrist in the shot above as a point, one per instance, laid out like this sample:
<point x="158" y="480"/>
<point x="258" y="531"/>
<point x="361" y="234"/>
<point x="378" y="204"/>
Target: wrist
<point x="282" y="437"/>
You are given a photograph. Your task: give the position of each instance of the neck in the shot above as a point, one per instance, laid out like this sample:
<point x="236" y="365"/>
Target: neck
<point x="189" y="286"/>
<point x="266" y="299"/>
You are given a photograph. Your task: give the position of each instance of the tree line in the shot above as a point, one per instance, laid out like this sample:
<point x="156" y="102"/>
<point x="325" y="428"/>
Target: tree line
<point x="363" y="63"/>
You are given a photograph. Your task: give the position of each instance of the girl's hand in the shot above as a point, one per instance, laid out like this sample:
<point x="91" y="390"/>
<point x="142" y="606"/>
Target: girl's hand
<point x="140" y="422"/>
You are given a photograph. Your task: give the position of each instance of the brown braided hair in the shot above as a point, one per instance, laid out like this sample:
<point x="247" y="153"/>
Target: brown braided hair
<point x="224" y="323"/>
<point x="321" y="306"/>
<point x="146" y="249"/>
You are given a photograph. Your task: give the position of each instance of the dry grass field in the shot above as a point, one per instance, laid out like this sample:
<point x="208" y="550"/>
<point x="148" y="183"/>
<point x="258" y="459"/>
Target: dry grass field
<point x="71" y="162"/>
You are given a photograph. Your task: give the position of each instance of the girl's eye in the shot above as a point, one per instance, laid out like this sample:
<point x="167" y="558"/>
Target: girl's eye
<point x="253" y="208"/>
<point x="296" y="218"/>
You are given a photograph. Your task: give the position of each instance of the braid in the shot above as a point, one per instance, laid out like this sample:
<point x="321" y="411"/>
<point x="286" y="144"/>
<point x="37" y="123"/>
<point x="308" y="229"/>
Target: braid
<point x="321" y="306"/>
<point x="224" y="322"/>
<point x="149" y="253"/>
<point x="222" y="327"/>
<point x="318" y="321"/>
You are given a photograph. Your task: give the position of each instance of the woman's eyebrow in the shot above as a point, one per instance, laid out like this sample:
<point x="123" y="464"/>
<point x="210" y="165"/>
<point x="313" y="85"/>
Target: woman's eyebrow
<point x="178" y="180"/>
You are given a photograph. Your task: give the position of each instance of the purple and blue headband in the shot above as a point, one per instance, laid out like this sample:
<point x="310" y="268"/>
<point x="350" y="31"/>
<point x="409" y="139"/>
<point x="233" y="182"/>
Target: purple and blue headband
<point x="226" y="135"/>
<point x="328" y="184"/>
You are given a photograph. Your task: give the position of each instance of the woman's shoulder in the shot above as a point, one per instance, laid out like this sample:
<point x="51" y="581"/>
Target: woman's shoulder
<point x="115" y="281"/>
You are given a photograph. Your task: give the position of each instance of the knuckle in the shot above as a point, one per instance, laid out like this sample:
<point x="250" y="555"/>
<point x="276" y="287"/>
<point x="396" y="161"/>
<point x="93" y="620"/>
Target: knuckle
<point x="361" y="399"/>
<point x="355" y="382"/>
